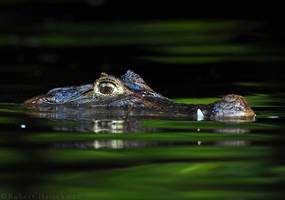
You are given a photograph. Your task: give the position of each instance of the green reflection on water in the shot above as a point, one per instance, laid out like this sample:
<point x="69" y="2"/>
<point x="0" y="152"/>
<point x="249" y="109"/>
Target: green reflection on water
<point x="205" y="125"/>
<point x="156" y="26"/>
<point x="196" y="100"/>
<point x="211" y="59"/>
<point x="255" y="100"/>
<point x="132" y="33"/>
<point x="8" y="120"/>
<point x="179" y="42"/>
<point x="177" y="168"/>
<point x="157" y="137"/>
<point x="142" y="155"/>
<point x="136" y="39"/>
<point x="208" y="180"/>
<point x="11" y="156"/>
<point x="210" y="49"/>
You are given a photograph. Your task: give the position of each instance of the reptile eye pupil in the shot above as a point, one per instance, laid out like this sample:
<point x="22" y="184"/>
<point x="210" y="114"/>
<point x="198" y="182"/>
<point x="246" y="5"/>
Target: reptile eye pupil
<point x="106" y="88"/>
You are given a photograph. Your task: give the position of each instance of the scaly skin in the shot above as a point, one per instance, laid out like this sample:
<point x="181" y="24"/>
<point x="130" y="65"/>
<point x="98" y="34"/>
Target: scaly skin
<point x="130" y="92"/>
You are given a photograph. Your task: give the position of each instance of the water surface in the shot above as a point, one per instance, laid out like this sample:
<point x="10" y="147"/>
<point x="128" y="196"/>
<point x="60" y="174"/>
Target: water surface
<point x="55" y="154"/>
<point x="168" y="158"/>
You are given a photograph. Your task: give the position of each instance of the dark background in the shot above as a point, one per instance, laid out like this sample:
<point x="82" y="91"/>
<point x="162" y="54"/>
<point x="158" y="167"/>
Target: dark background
<point x="27" y="69"/>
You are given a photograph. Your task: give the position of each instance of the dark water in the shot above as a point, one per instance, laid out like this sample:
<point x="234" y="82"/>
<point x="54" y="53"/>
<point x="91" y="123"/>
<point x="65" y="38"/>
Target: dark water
<point x="62" y="154"/>
<point x="52" y="155"/>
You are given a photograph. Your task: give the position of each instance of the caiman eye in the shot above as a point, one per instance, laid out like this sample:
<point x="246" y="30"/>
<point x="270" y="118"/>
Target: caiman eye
<point x="107" y="88"/>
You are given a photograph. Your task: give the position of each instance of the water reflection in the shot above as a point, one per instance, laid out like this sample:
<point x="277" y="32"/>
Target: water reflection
<point x="232" y="143"/>
<point x="85" y="119"/>
<point x="235" y="130"/>
<point x="105" y="126"/>
<point x="117" y="144"/>
<point x="157" y="149"/>
<point x="105" y="144"/>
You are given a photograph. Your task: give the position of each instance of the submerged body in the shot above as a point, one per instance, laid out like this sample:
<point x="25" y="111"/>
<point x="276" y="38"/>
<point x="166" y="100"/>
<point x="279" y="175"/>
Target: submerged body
<point x="130" y="92"/>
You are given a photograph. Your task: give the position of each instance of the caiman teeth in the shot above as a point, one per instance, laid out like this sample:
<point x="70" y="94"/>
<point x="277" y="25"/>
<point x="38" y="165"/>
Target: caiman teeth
<point x="200" y="115"/>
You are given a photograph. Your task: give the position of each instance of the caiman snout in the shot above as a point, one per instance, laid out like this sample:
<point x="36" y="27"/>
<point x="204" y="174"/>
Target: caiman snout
<point x="232" y="106"/>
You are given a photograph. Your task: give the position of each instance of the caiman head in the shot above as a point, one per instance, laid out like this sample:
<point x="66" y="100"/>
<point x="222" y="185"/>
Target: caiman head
<point x="108" y="91"/>
<point x="131" y="92"/>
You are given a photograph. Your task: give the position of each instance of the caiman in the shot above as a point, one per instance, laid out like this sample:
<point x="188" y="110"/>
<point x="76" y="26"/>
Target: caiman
<point x="131" y="93"/>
